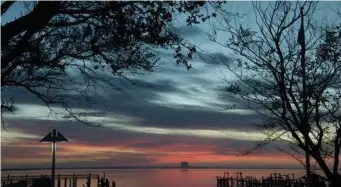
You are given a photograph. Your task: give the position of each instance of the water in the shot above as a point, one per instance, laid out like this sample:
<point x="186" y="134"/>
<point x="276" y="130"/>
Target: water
<point x="161" y="177"/>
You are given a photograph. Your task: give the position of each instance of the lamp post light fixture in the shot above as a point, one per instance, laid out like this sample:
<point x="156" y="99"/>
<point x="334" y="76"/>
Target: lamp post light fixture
<point x="53" y="138"/>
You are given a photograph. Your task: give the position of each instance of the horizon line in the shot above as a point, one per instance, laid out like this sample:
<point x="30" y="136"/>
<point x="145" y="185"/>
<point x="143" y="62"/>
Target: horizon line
<point x="146" y="167"/>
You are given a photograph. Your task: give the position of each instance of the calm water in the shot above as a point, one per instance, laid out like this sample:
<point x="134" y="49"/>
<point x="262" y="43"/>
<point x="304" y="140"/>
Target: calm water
<point x="161" y="177"/>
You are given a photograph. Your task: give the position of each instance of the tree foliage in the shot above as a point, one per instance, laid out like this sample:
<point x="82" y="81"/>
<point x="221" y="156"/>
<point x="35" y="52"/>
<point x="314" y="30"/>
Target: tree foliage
<point x="45" y="48"/>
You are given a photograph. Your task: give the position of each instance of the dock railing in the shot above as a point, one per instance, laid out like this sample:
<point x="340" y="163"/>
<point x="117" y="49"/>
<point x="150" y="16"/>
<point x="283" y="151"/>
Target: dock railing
<point x="70" y="180"/>
<point x="274" y="180"/>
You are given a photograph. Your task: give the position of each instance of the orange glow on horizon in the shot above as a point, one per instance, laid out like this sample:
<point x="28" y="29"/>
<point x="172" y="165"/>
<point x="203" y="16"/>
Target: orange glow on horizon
<point x="73" y="152"/>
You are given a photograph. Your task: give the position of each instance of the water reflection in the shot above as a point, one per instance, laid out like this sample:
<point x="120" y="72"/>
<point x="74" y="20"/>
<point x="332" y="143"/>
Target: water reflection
<point x="161" y="177"/>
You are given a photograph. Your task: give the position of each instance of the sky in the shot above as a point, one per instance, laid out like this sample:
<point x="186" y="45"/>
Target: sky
<point x="178" y="117"/>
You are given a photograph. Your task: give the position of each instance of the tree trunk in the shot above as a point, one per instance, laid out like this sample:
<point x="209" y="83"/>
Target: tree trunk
<point x="336" y="161"/>
<point x="317" y="156"/>
<point x="307" y="163"/>
<point x="337" y="177"/>
<point x="337" y="144"/>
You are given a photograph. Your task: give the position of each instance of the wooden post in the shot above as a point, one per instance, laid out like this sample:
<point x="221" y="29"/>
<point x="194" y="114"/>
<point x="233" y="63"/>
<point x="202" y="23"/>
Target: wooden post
<point x="89" y="180"/>
<point x="76" y="182"/>
<point x="70" y="182"/>
<point x="73" y="180"/>
<point x="58" y="180"/>
<point x="113" y="184"/>
<point x="239" y="178"/>
<point x="65" y="182"/>
<point x="98" y="181"/>
<point x="26" y="182"/>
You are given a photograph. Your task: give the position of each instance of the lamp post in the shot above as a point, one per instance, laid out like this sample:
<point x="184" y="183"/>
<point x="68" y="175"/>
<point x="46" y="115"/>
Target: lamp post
<point x="53" y="137"/>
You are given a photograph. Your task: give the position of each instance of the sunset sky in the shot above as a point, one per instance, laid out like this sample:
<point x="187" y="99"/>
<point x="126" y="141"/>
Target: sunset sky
<point x="178" y="117"/>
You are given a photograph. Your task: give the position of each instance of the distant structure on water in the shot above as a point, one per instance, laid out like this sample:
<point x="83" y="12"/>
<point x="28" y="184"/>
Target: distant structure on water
<point x="184" y="165"/>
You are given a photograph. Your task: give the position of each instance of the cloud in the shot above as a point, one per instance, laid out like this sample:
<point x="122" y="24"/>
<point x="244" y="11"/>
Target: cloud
<point x="190" y="31"/>
<point x="160" y="103"/>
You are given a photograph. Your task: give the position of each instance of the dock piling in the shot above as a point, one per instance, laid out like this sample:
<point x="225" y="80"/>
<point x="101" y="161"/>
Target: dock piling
<point x="73" y="180"/>
<point x="26" y="182"/>
<point x="58" y="180"/>
<point x="273" y="180"/>
<point x="76" y="182"/>
<point x="89" y="180"/>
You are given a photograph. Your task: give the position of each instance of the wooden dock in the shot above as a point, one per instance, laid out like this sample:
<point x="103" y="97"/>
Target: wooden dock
<point x="274" y="180"/>
<point x="60" y="181"/>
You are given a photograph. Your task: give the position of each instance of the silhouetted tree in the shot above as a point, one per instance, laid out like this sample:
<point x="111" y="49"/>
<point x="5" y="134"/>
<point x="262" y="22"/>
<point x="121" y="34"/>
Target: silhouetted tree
<point x="44" y="49"/>
<point x="330" y="52"/>
<point x="293" y="82"/>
